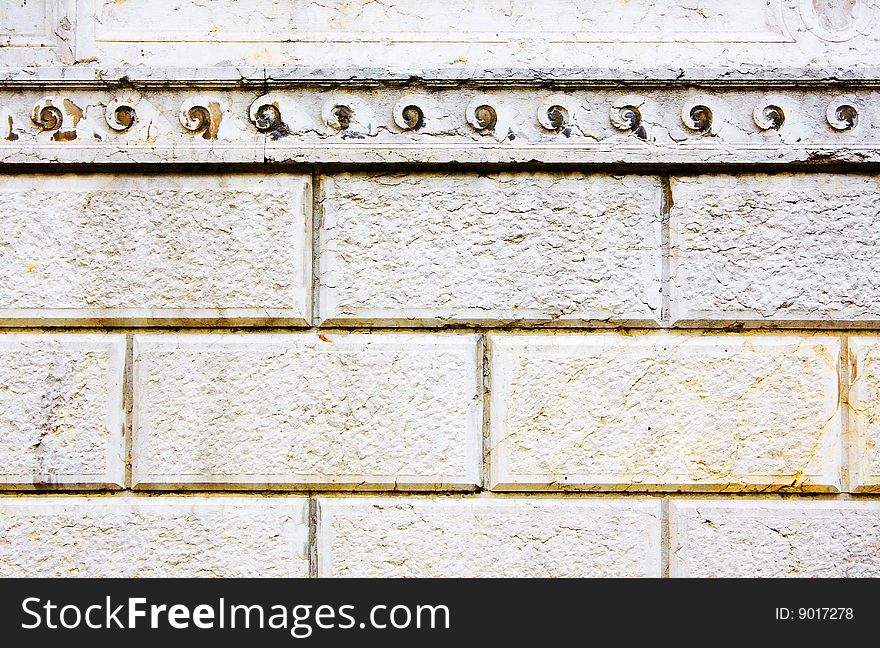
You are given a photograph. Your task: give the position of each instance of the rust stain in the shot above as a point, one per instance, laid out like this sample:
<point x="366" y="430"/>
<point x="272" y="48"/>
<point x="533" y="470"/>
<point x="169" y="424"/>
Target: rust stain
<point x="324" y="338"/>
<point x="215" y="117"/>
<point x="11" y="136"/>
<point x="64" y="136"/>
<point x="74" y="111"/>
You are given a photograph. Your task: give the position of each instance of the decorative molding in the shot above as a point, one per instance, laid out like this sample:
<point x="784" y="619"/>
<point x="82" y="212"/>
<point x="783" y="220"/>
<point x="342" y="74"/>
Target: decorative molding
<point x="838" y="22"/>
<point x="486" y="115"/>
<point x="411" y="35"/>
<point x="558" y="113"/>
<point x="59" y="116"/>
<point x="701" y="114"/>
<point x="843" y="114"/>
<point x="626" y="115"/>
<point x="745" y="77"/>
<point x="409" y="113"/>
<point x="37" y="32"/>
<point x="769" y="116"/>
<point x="121" y="114"/>
<point x="351" y="124"/>
<point x="350" y="116"/>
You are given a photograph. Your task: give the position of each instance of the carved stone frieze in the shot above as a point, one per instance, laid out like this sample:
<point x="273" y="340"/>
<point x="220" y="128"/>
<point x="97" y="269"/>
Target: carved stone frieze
<point x="412" y="123"/>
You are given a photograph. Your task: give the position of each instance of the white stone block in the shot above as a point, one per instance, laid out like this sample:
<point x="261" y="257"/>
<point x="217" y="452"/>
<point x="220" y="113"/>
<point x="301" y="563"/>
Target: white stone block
<point x="424" y="249"/>
<point x="773" y="538"/>
<point x="665" y="412"/>
<point x="787" y="249"/>
<point x="61" y="411"/>
<point x="132" y="537"/>
<point x="864" y="413"/>
<point x="487" y="537"/>
<point x="301" y="410"/>
<point x="138" y="249"/>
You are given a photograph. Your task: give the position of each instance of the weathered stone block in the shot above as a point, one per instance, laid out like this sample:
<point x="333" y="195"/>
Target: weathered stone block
<point x="141" y="537"/>
<point x="783" y="249"/>
<point x="61" y="412"/>
<point x="455" y="537"/>
<point x="864" y="412"/>
<point x="299" y="410"/>
<point x="665" y="412"/>
<point x="772" y="538"/>
<point x="419" y="249"/>
<point x="142" y="249"/>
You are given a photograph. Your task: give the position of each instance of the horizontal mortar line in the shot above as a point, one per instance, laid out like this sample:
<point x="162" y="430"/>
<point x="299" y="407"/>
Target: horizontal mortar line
<point x="232" y="328"/>
<point x="121" y="148"/>
<point x="99" y="323"/>
<point x="825" y="166"/>
<point x="500" y="495"/>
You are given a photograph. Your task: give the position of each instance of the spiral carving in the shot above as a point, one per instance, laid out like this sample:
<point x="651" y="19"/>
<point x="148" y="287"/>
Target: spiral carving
<point x="120" y="115"/>
<point x="58" y="115"/>
<point x="626" y="114"/>
<point x="842" y="115"/>
<point x="269" y="112"/>
<point x="626" y="118"/>
<point x="267" y="118"/>
<point x="125" y="117"/>
<point x="485" y="117"/>
<point x="411" y="112"/>
<point x="47" y="117"/>
<point x="202" y="116"/>
<point x="699" y="117"/>
<point x="350" y="115"/>
<point x="197" y="119"/>
<point x="558" y="113"/>
<point x="413" y="117"/>
<point x="342" y="117"/>
<point x="770" y="117"/>
<point x="558" y="117"/>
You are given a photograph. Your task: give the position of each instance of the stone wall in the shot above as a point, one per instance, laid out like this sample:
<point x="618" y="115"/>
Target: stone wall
<point x="439" y="289"/>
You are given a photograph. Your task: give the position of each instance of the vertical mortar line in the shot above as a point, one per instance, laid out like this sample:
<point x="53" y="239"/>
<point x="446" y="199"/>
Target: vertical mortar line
<point x="666" y="204"/>
<point x="664" y="538"/>
<point x="127" y="407"/>
<point x="486" y="389"/>
<point x="265" y="135"/>
<point x="312" y="544"/>
<point x="314" y="294"/>
<point x="845" y="377"/>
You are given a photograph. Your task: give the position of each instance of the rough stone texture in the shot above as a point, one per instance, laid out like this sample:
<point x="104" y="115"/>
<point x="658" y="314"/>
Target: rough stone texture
<point x="61" y="416"/>
<point x="100" y="247"/>
<point x="357" y="410"/>
<point x="657" y="411"/>
<point x="141" y="537"/>
<point x="453" y="537"/>
<point x="782" y="248"/>
<point x="418" y="248"/>
<point x="794" y="538"/>
<point x="864" y="421"/>
<point x="517" y="171"/>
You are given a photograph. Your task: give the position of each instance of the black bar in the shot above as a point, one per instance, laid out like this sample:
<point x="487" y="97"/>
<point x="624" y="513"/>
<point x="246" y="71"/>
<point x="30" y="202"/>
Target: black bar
<point x="488" y="612"/>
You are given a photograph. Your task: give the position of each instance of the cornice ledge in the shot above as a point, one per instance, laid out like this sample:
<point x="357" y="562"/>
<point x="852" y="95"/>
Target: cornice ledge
<point x="91" y="77"/>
